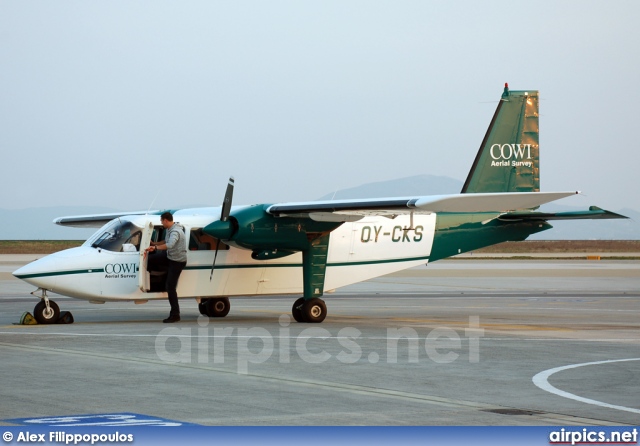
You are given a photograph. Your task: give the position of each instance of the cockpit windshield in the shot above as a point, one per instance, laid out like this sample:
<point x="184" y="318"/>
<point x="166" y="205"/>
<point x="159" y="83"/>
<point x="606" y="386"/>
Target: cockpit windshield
<point x="117" y="236"/>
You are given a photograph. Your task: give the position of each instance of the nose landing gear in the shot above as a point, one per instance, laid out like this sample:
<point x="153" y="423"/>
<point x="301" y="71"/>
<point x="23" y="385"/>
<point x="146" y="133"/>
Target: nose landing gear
<point x="46" y="311"/>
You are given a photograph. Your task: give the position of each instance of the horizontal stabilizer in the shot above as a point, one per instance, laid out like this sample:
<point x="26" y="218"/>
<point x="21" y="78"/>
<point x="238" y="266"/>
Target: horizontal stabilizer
<point x="594" y="213"/>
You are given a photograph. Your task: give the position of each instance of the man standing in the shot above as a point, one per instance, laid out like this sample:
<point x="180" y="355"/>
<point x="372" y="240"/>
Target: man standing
<point x="171" y="256"/>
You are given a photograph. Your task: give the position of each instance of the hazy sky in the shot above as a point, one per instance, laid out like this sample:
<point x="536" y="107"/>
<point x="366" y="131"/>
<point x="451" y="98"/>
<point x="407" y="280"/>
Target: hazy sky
<point x="112" y="103"/>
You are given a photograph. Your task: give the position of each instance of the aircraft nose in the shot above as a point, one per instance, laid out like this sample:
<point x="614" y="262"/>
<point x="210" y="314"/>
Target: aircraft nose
<point x="40" y="273"/>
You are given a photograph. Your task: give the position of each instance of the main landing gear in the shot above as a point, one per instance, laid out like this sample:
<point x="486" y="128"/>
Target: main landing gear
<point x="46" y="311"/>
<point x="313" y="310"/>
<point x="214" y="306"/>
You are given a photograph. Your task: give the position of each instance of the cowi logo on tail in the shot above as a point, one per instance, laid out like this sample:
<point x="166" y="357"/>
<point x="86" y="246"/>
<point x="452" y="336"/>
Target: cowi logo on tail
<point x="511" y="155"/>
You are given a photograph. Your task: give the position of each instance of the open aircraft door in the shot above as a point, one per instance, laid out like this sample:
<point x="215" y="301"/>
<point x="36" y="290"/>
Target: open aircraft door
<point x="144" y="281"/>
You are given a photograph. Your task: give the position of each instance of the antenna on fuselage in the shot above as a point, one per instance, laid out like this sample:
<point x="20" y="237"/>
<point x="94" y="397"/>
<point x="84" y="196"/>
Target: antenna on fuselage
<point x="153" y="201"/>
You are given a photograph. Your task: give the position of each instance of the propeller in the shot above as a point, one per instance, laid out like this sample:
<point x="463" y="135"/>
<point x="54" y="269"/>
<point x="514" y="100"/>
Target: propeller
<point x="228" y="198"/>
<point x="224" y="217"/>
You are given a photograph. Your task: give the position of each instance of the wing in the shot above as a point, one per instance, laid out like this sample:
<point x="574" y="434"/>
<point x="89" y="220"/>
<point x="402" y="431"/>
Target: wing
<point x="353" y="210"/>
<point x="95" y="220"/>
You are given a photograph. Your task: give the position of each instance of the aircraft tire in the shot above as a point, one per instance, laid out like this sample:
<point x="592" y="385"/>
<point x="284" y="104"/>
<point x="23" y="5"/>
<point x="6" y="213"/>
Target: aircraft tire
<point x="314" y="310"/>
<point x="44" y="317"/>
<point x="296" y="310"/>
<point x="202" y="307"/>
<point x="218" y="307"/>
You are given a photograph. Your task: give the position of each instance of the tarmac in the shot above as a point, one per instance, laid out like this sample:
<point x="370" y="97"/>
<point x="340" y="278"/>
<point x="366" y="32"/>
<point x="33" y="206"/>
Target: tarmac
<point x="458" y="342"/>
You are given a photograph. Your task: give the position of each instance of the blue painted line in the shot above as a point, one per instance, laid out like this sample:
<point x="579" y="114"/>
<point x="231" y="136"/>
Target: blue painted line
<point x="124" y="419"/>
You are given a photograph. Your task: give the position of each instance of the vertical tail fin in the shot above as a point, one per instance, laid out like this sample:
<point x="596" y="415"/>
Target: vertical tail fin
<point x="508" y="159"/>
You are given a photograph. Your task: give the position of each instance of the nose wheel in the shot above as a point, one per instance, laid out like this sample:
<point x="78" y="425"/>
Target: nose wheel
<point x="46" y="315"/>
<point x="46" y="311"/>
<point x="313" y="310"/>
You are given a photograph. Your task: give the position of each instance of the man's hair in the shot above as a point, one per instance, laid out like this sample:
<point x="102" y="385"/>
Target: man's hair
<point x="166" y="216"/>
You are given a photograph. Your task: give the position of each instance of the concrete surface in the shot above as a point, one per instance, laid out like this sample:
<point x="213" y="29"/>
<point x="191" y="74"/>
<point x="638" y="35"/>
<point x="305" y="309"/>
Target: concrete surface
<point x="475" y="336"/>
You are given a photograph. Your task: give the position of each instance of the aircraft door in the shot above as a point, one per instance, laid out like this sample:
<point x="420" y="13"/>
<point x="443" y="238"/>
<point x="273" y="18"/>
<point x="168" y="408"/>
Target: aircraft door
<point x="144" y="281"/>
<point x="356" y="241"/>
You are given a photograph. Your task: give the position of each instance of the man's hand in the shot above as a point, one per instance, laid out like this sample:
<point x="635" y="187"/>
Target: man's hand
<point x="148" y="250"/>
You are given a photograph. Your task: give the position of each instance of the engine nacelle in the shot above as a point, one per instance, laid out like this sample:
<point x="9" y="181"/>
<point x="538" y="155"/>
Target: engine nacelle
<point x="254" y="229"/>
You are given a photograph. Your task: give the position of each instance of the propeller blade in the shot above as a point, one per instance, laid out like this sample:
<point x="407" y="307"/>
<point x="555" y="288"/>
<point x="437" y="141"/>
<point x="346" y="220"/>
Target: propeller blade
<point x="228" y="198"/>
<point x="215" y="256"/>
<point x="224" y="216"/>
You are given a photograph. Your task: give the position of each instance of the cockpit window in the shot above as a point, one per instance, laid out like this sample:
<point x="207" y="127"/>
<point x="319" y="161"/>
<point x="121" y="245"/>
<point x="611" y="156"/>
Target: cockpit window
<point x="117" y="236"/>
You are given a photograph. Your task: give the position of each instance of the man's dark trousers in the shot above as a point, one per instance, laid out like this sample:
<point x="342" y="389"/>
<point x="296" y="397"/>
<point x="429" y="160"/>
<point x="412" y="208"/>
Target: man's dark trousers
<point x="159" y="262"/>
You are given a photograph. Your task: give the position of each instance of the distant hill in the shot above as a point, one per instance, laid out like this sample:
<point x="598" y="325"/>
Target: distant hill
<point x="36" y="223"/>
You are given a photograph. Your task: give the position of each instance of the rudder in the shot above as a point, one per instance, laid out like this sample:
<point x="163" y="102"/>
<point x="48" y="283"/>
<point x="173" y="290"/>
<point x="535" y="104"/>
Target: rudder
<point x="508" y="159"/>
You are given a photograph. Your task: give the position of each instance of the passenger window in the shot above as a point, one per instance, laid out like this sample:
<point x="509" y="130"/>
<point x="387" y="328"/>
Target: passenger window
<point x="158" y="233"/>
<point x="199" y="241"/>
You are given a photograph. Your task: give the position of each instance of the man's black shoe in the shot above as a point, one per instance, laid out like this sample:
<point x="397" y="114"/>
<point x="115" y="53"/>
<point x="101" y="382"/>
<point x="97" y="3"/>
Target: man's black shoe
<point x="171" y="319"/>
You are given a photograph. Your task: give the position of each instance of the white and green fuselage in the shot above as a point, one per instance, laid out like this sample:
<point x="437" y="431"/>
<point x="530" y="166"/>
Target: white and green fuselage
<point x="357" y="251"/>
<point x="311" y="247"/>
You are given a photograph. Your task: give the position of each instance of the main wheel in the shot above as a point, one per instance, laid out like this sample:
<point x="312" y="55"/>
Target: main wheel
<point x="296" y="310"/>
<point x="44" y="316"/>
<point x="314" y="310"/>
<point x="202" y="307"/>
<point x="218" y="307"/>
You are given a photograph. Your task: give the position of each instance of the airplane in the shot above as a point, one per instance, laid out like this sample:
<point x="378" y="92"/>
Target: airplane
<point x="308" y="248"/>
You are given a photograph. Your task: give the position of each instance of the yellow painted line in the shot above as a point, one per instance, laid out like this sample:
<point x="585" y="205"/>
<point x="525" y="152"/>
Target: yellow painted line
<point x="515" y="273"/>
<point x="483" y="325"/>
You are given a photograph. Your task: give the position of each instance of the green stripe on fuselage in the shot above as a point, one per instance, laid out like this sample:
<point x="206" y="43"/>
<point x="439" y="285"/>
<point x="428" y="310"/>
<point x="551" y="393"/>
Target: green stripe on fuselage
<point x="255" y="265"/>
<point x="299" y="265"/>
<point x="61" y="273"/>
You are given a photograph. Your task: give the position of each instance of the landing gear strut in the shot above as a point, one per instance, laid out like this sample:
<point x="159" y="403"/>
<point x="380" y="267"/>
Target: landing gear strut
<point x="46" y="311"/>
<point x="313" y="310"/>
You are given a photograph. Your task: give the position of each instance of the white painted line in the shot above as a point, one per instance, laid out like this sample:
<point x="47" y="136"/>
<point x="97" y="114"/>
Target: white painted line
<point x="541" y="380"/>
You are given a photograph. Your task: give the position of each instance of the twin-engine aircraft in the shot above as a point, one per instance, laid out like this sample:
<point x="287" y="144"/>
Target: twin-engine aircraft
<point x="311" y="247"/>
